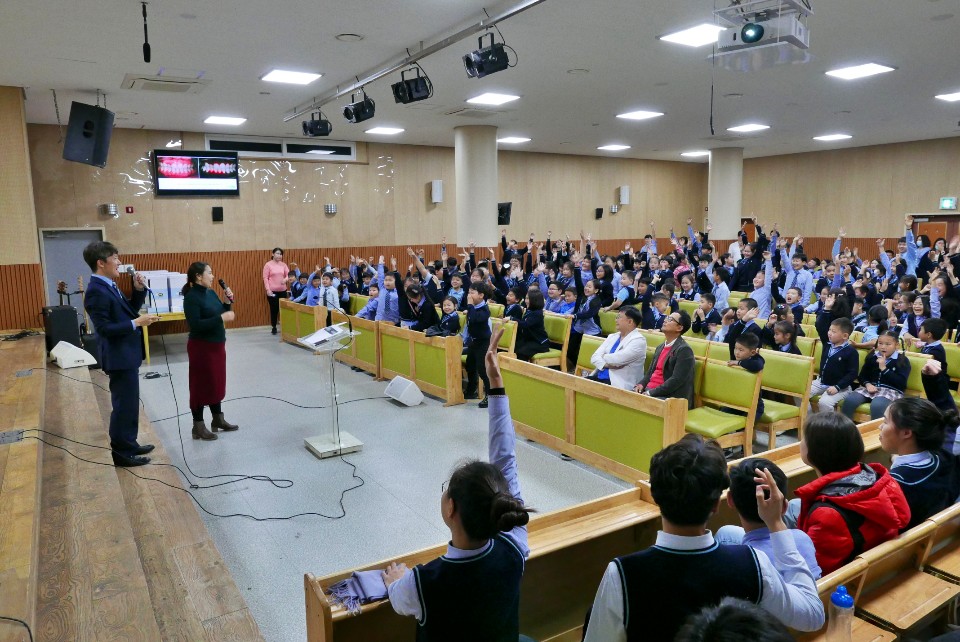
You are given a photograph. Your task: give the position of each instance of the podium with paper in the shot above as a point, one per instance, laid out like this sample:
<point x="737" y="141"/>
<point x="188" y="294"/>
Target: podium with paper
<point x="324" y="343"/>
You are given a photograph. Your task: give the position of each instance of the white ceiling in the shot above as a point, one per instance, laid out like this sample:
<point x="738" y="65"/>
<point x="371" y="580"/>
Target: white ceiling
<point x="77" y="46"/>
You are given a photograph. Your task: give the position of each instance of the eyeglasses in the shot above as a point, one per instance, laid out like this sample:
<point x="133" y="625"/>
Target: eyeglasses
<point x="672" y="319"/>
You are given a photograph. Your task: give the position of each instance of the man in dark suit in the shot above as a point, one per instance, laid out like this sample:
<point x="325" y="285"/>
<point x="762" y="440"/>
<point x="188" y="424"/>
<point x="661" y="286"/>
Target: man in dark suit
<point x="670" y="374"/>
<point x="117" y="323"/>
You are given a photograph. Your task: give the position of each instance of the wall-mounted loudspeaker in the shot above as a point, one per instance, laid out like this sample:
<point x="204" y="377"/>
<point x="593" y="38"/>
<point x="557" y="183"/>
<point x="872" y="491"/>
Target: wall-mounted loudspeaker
<point x="404" y="391"/>
<point x="503" y="213"/>
<point x="624" y="194"/>
<point x="599" y="213"/>
<point x="88" y="135"/>
<point x="218" y="215"/>
<point x="436" y="191"/>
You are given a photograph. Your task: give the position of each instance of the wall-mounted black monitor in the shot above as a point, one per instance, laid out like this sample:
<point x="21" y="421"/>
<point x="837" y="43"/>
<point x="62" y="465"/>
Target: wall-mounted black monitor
<point x="183" y="173"/>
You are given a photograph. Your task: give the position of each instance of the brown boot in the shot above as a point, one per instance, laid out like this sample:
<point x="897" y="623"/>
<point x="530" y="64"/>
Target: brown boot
<point x="200" y="431"/>
<point x="219" y="423"/>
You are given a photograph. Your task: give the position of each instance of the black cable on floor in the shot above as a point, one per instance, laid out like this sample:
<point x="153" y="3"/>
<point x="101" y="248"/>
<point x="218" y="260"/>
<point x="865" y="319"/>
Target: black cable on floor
<point x="19" y="621"/>
<point x="295" y="405"/>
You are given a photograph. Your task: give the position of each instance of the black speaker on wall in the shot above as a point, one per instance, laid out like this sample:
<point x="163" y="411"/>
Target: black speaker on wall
<point x="218" y="215"/>
<point x="88" y="134"/>
<point x="503" y="213"/>
<point x="599" y="212"/>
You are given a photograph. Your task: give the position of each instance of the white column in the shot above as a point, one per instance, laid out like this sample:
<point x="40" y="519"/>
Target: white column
<point x="475" y="158"/>
<point x="725" y="191"/>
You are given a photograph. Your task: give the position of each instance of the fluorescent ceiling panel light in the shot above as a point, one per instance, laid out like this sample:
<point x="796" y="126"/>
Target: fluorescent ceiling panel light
<point x="829" y="137"/>
<point x="320" y="151"/>
<point x="224" y="120"/>
<point x="389" y="131"/>
<point x="950" y="98"/>
<point x="614" y="148"/>
<point x="749" y="127"/>
<point x="492" y="99"/>
<point x="174" y="143"/>
<point x="705" y="34"/>
<point x="695" y="154"/>
<point x="859" y="71"/>
<point x="290" y="77"/>
<point x="512" y="140"/>
<point x="640" y="115"/>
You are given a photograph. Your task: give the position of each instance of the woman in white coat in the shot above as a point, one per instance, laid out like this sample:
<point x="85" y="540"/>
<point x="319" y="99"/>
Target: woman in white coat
<point x="619" y="360"/>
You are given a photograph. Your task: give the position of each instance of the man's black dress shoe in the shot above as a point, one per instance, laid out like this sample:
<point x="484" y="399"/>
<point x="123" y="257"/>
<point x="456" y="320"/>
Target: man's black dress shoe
<point x="128" y="461"/>
<point x="143" y="450"/>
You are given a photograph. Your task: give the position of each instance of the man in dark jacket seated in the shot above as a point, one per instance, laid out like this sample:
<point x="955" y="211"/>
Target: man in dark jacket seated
<point x="670" y="374"/>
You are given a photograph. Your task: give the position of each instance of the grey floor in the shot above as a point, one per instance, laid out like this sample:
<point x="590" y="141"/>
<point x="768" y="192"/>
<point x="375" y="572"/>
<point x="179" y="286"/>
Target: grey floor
<point x="408" y="453"/>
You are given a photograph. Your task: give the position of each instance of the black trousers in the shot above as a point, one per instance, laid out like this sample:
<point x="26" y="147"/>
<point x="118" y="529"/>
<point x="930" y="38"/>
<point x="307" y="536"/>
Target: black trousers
<point x="274" y="302"/>
<point x="125" y="416"/>
<point x="476" y="366"/>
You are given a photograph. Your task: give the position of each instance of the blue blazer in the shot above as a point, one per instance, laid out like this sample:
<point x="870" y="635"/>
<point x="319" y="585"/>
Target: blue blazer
<point x="121" y="345"/>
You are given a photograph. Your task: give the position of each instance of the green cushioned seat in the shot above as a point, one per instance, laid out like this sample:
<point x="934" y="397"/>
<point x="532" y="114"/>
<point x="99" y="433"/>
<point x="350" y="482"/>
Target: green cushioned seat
<point x="463" y="359"/>
<point x="774" y="411"/>
<point x="713" y="423"/>
<point x="549" y="354"/>
<point x="863" y="409"/>
<point x="956" y="395"/>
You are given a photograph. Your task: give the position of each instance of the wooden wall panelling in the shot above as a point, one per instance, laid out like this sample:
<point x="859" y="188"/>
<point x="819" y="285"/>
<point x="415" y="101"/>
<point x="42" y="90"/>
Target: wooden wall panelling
<point x="18" y="244"/>
<point x="22" y="296"/>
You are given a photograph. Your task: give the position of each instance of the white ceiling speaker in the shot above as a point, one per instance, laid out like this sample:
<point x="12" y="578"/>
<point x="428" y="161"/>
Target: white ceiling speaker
<point x="624" y="194"/>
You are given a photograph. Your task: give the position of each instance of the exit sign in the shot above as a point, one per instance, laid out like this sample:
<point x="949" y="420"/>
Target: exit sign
<point x="948" y="202"/>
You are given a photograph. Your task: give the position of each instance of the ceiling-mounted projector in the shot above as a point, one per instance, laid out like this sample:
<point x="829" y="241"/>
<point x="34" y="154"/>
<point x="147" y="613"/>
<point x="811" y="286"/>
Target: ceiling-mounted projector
<point x="786" y="28"/>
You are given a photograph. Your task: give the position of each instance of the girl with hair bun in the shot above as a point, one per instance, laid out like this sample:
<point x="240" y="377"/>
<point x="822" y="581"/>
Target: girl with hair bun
<point x="913" y="429"/>
<point x="472" y="594"/>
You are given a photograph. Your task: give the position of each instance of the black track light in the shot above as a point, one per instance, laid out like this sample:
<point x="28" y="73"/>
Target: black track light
<point x="486" y="60"/>
<point x="359" y="111"/>
<point x="411" y="90"/>
<point x="317" y="125"/>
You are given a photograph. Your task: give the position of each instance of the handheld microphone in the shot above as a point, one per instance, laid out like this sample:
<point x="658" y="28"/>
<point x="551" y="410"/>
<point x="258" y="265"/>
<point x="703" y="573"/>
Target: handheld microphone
<point x="133" y="277"/>
<point x="223" y="284"/>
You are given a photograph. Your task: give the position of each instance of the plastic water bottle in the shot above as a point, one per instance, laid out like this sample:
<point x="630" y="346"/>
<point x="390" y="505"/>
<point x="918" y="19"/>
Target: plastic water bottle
<point x="840" y="624"/>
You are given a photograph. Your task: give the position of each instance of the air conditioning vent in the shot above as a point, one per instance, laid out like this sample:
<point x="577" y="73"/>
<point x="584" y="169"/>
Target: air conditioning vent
<point x="168" y="84"/>
<point x="469" y="112"/>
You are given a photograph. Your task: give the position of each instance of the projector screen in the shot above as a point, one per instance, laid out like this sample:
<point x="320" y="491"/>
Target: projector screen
<point x="183" y="173"/>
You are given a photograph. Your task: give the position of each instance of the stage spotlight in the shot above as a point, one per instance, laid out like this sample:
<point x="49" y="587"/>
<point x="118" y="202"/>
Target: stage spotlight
<point x="359" y="111"/>
<point x="486" y="60"/>
<point x="317" y="125"/>
<point x="751" y="33"/>
<point x="410" y="90"/>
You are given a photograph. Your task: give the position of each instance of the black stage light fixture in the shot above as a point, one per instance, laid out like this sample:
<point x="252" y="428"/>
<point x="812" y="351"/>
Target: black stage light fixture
<point x="751" y="33"/>
<point x="361" y="110"/>
<point x="486" y="60"/>
<point x="317" y="125"/>
<point x="410" y="90"/>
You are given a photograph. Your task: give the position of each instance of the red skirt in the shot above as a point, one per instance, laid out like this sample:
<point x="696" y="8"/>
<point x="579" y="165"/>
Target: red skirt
<point x="208" y="372"/>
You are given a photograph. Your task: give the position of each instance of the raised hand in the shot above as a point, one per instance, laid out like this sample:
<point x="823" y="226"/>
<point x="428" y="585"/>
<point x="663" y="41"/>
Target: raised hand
<point x="842" y="233"/>
<point x="492" y="361"/>
<point x="769" y="500"/>
<point x="410" y="251"/>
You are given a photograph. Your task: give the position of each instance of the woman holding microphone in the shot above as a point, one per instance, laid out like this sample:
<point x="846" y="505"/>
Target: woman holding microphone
<point x="206" y="348"/>
<point x="275" y="281"/>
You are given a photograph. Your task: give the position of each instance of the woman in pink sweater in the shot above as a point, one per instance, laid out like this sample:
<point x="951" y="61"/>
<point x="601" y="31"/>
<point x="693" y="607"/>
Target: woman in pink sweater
<point x="275" y="273"/>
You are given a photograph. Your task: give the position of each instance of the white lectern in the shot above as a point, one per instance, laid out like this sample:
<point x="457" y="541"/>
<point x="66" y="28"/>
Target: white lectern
<point x="333" y="442"/>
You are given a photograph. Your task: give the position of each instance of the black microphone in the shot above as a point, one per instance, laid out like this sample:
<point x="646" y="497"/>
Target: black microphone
<point x="223" y="284"/>
<point x="146" y="43"/>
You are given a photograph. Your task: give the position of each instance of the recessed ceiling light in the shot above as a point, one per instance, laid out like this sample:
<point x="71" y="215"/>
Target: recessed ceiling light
<point x="640" y="115"/>
<point x="224" y="120"/>
<point x="291" y="77"/>
<point x="695" y="154"/>
<point x="950" y="98"/>
<point x="389" y="131"/>
<point x="614" y="148"/>
<point x="704" y="34"/>
<point x="492" y="99"/>
<point x="749" y="127"/>
<point x="512" y="140"/>
<point x="829" y="137"/>
<point x="578" y="72"/>
<point x="349" y="37"/>
<point x="859" y="71"/>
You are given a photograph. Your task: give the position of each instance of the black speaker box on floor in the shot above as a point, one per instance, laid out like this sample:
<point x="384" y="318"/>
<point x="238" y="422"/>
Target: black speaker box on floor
<point x="60" y="324"/>
<point x="88" y="134"/>
<point x="218" y="215"/>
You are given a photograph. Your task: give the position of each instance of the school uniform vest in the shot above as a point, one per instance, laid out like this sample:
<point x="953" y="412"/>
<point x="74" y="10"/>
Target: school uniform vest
<point x="662" y="587"/>
<point x="631" y="296"/>
<point x="471" y="600"/>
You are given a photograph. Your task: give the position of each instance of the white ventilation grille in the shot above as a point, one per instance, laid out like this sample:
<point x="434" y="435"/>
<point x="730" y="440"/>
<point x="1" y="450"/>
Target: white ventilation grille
<point x="168" y="84"/>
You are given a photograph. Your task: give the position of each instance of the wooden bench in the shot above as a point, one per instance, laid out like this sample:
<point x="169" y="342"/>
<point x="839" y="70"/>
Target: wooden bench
<point x="364" y="350"/>
<point x="588" y="346"/>
<point x="433" y="363"/>
<point x="611" y="429"/>
<point x="558" y="331"/>
<point x="569" y="550"/>
<point x="298" y="320"/>
<point x="21" y="408"/>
